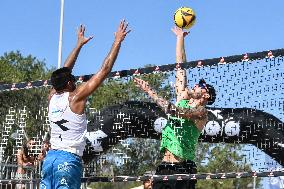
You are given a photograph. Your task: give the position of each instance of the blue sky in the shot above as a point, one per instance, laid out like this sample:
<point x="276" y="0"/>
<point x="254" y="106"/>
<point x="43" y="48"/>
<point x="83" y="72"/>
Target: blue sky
<point x="223" y="28"/>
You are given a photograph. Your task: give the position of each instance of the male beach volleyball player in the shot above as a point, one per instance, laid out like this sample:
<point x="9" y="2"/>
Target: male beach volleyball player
<point x="188" y="117"/>
<point x="62" y="166"/>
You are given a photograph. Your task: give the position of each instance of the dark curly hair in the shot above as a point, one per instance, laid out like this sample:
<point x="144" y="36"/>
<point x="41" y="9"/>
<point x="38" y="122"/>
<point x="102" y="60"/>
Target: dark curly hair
<point x="60" y="78"/>
<point x="211" y="91"/>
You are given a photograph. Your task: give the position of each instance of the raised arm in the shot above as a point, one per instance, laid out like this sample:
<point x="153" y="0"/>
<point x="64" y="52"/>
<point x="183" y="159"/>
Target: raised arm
<point x="181" y="80"/>
<point x="180" y="50"/>
<point x="82" y="40"/>
<point x="193" y="113"/>
<point x="161" y="102"/>
<point x="71" y="59"/>
<point x="89" y="87"/>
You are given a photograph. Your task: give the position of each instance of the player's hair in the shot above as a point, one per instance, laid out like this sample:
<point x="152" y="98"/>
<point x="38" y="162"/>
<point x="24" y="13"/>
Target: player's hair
<point x="60" y="78"/>
<point x="211" y="91"/>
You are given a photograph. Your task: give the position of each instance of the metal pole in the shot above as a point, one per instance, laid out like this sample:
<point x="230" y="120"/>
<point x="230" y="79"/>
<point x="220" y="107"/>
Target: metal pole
<point x="60" y="35"/>
<point x="254" y="182"/>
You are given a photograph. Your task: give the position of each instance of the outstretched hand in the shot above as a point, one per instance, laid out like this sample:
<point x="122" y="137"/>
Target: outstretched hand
<point x="179" y="32"/>
<point x="122" y="31"/>
<point x="82" y="40"/>
<point x="144" y="85"/>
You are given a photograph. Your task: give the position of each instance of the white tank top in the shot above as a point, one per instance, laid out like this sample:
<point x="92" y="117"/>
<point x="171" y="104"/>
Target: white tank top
<point x="68" y="129"/>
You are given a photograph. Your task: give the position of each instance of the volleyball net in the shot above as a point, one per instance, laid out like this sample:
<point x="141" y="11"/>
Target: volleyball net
<point x="247" y="115"/>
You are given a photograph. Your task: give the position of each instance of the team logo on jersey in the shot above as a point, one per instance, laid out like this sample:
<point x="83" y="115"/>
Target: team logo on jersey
<point x="60" y="124"/>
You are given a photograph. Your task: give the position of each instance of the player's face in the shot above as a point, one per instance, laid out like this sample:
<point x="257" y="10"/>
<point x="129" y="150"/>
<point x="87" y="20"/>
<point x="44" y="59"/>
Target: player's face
<point x="199" y="91"/>
<point x="148" y="185"/>
<point x="30" y="144"/>
<point x="72" y="83"/>
<point x="45" y="146"/>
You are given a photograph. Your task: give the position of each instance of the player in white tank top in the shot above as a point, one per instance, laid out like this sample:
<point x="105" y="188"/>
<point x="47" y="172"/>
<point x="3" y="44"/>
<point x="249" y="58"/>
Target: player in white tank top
<point x="62" y="166"/>
<point x="68" y="129"/>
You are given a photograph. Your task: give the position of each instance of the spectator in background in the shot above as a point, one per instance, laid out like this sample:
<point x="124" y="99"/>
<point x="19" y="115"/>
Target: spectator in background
<point x="44" y="150"/>
<point x="24" y="160"/>
<point x="147" y="184"/>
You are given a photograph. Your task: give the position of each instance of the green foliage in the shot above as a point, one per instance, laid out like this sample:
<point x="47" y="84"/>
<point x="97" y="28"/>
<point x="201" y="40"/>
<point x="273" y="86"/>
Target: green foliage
<point x="115" y="91"/>
<point x="17" y="68"/>
<point x="222" y="158"/>
<point x="115" y="185"/>
<point x="144" y="156"/>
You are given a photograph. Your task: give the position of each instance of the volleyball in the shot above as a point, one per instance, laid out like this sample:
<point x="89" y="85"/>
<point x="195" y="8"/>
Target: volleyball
<point x="184" y="17"/>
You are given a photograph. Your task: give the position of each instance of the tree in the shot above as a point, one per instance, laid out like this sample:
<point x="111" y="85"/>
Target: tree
<point x="144" y="156"/>
<point x="222" y="158"/>
<point x="115" y="91"/>
<point x="18" y="68"/>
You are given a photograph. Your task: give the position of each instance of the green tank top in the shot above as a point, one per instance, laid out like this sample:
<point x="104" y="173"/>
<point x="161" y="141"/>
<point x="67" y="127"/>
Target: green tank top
<point x="180" y="136"/>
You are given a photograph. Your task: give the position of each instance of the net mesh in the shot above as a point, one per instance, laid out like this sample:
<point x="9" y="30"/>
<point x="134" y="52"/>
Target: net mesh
<point x="247" y="113"/>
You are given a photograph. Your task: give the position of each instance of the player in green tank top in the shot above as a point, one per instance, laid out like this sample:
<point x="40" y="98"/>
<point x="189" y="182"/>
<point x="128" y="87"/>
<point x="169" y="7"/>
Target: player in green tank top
<point x="180" y="136"/>
<point x="186" y="121"/>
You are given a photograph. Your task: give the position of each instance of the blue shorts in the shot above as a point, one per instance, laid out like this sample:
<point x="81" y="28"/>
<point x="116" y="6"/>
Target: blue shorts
<point x="61" y="169"/>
